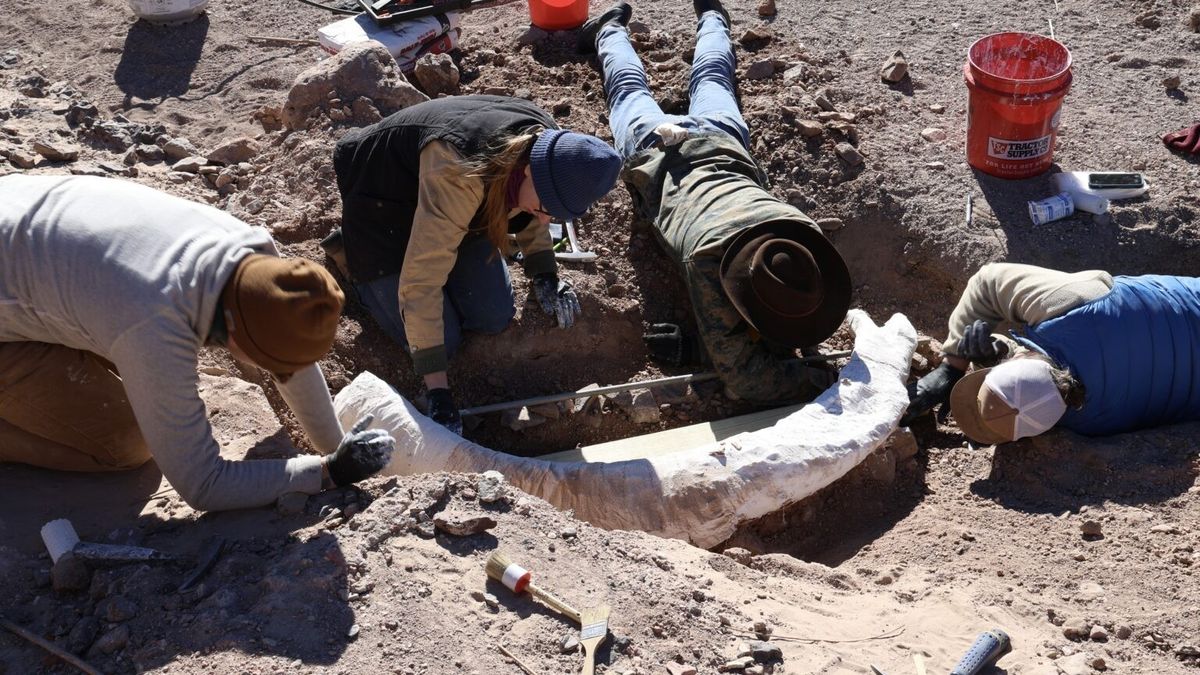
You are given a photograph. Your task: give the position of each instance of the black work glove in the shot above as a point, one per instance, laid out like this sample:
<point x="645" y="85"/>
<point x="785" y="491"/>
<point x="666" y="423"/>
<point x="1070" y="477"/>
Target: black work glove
<point x="932" y="390"/>
<point x="443" y="410"/>
<point x="669" y="345"/>
<point x="978" y="346"/>
<point x="557" y="298"/>
<point x="361" y="454"/>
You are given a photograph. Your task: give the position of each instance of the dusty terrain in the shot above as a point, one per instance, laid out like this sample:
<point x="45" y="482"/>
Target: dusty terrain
<point x="954" y="541"/>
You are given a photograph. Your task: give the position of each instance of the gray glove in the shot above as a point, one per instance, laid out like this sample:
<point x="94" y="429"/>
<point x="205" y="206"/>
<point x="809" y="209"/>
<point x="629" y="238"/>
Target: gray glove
<point x="557" y="298"/>
<point x="361" y="454"/>
<point x="979" y="347"/>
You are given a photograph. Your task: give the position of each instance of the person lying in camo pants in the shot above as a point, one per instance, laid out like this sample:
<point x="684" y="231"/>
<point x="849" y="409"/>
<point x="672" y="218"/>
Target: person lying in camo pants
<point x="762" y="278"/>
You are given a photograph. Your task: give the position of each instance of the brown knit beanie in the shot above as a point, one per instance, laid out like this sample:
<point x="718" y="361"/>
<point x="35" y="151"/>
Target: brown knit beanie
<point x="283" y="312"/>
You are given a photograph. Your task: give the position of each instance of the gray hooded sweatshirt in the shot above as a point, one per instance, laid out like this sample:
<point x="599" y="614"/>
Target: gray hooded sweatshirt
<point x="134" y="275"/>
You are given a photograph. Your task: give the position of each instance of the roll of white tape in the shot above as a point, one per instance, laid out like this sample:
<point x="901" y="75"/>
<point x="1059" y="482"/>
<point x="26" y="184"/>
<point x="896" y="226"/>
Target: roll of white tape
<point x="59" y="537"/>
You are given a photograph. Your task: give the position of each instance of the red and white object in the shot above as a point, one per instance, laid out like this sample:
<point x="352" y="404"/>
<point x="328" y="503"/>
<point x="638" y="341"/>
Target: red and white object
<point x="406" y="41"/>
<point x="516" y="578"/>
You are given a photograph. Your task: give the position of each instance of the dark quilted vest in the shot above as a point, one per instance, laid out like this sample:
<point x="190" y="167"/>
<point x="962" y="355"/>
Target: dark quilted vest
<point x="378" y="170"/>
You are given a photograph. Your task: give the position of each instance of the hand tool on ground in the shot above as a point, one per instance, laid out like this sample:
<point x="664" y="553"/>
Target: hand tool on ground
<point x="519" y="580"/>
<point x="575" y="254"/>
<point x="208" y="557"/>
<point x="614" y="388"/>
<point x="59" y="537"/>
<point x="595" y="628"/>
<point x="987" y="649"/>
<point x="50" y="647"/>
<point x="526" y="669"/>
<point x="390" y="11"/>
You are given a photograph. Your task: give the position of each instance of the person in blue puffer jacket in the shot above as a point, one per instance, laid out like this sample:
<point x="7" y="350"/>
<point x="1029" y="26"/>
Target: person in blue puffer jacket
<point x="1090" y="352"/>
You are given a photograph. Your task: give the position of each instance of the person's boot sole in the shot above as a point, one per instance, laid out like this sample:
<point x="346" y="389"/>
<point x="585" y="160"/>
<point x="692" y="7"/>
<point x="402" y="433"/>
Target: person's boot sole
<point x="619" y="13"/>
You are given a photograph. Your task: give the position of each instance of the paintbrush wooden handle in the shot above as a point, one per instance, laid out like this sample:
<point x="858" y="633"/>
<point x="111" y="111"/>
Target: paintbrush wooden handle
<point x="552" y="601"/>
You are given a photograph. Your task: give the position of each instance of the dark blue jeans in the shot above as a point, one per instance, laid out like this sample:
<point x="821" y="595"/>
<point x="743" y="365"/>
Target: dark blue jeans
<point x="478" y="296"/>
<point x="633" y="112"/>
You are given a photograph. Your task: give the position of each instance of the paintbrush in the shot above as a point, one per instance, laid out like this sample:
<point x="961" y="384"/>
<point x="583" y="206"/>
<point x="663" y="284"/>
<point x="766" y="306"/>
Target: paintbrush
<point x="519" y="580"/>
<point x="595" y="628"/>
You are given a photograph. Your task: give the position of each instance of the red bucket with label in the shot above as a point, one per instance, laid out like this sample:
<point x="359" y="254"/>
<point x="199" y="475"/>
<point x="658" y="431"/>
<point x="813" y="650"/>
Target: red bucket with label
<point x="1016" y="83"/>
<point x="558" y="14"/>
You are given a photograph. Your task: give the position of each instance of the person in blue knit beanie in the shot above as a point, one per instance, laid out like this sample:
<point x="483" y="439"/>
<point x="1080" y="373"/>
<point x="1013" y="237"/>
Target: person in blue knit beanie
<point x="430" y="197"/>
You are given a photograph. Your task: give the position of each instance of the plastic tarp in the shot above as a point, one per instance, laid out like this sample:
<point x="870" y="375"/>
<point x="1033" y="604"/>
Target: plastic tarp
<point x="700" y="495"/>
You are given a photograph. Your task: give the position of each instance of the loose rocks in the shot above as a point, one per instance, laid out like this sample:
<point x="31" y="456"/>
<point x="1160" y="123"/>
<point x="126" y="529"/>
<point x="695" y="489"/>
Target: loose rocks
<point x="56" y="151"/>
<point x="895" y="68"/>
<point x="1172" y="82"/>
<point x="569" y="644"/>
<point x="767" y="8"/>
<point x="437" y="74"/>
<point x="179" y="148"/>
<point x="70" y="574"/>
<point x="1076" y="629"/>
<point x="1091" y="528"/>
<point x="189" y="164"/>
<point x="460" y="524"/>
<point x="83" y="635"/>
<point x="933" y="134"/>
<point x="849" y="154"/>
<point x="361" y="69"/>
<point x="234" y="151"/>
<point x="490" y="487"/>
<point x="810" y="128"/>
<point x="760" y="70"/>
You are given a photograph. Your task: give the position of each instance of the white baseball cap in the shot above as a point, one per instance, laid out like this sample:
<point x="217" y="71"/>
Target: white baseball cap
<point x="1016" y="399"/>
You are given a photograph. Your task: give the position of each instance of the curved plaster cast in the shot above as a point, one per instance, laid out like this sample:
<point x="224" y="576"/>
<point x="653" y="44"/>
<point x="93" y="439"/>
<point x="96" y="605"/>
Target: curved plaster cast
<point x="700" y="495"/>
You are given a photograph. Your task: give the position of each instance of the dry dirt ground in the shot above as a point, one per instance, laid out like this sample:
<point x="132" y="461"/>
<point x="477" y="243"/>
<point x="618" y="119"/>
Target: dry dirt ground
<point x="899" y="558"/>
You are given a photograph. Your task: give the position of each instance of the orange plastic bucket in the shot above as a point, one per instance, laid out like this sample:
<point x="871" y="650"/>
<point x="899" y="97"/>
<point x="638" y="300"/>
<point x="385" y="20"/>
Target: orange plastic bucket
<point x="558" y="14"/>
<point x="1016" y="83"/>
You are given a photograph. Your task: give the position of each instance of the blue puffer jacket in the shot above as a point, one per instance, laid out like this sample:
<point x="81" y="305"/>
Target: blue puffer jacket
<point x="1136" y="350"/>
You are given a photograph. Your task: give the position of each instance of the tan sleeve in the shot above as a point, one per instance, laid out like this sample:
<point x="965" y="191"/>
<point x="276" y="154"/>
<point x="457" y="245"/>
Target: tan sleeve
<point x="447" y="199"/>
<point x="1022" y="294"/>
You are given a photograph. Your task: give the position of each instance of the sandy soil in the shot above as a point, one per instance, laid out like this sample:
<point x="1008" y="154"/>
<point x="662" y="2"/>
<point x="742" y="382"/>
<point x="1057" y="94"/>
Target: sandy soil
<point x="949" y="543"/>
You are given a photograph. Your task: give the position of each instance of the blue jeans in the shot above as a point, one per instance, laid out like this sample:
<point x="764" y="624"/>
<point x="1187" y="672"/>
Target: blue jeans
<point x="633" y="112"/>
<point x="478" y="296"/>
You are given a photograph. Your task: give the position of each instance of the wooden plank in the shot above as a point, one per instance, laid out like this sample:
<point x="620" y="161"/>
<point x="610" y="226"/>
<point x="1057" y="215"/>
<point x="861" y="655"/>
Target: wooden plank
<point x="672" y="440"/>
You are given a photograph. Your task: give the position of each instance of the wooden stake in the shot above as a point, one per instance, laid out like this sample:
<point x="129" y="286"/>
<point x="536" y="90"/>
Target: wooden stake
<point x="522" y="666"/>
<point x="50" y="647"/>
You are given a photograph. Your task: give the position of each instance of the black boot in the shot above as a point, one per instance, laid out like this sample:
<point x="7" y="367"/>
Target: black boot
<point x="702" y="6"/>
<point x="619" y="13"/>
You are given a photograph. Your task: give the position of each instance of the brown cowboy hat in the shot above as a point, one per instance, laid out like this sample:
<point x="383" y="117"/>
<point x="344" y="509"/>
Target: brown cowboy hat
<point x="788" y="281"/>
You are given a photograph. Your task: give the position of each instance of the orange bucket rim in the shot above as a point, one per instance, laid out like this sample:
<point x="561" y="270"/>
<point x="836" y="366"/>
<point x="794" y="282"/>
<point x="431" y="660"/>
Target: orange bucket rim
<point x="1065" y="70"/>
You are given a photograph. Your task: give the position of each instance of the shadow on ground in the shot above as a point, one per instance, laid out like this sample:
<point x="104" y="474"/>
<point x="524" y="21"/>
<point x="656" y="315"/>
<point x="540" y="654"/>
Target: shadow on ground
<point x="1063" y="471"/>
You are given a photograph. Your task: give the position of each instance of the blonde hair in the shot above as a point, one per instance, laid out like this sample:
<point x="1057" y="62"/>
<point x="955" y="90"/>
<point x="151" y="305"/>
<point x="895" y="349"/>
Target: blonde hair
<point x="493" y="167"/>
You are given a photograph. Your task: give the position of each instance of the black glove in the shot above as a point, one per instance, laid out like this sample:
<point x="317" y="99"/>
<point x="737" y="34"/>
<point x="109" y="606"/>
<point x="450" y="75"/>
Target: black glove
<point x="361" y="454"/>
<point x="978" y="346"/>
<point x="668" y="344"/>
<point x="557" y="298"/>
<point x="443" y="410"/>
<point x="931" y="390"/>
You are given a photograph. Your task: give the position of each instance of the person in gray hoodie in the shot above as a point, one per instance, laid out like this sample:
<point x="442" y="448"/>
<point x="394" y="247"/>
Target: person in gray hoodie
<point x="109" y="289"/>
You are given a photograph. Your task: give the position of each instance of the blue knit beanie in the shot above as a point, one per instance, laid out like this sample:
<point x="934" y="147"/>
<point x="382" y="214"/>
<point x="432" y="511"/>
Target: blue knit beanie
<point x="571" y="171"/>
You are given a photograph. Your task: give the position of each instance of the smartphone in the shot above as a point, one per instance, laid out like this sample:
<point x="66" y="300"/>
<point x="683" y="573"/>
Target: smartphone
<point x="1111" y="181"/>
